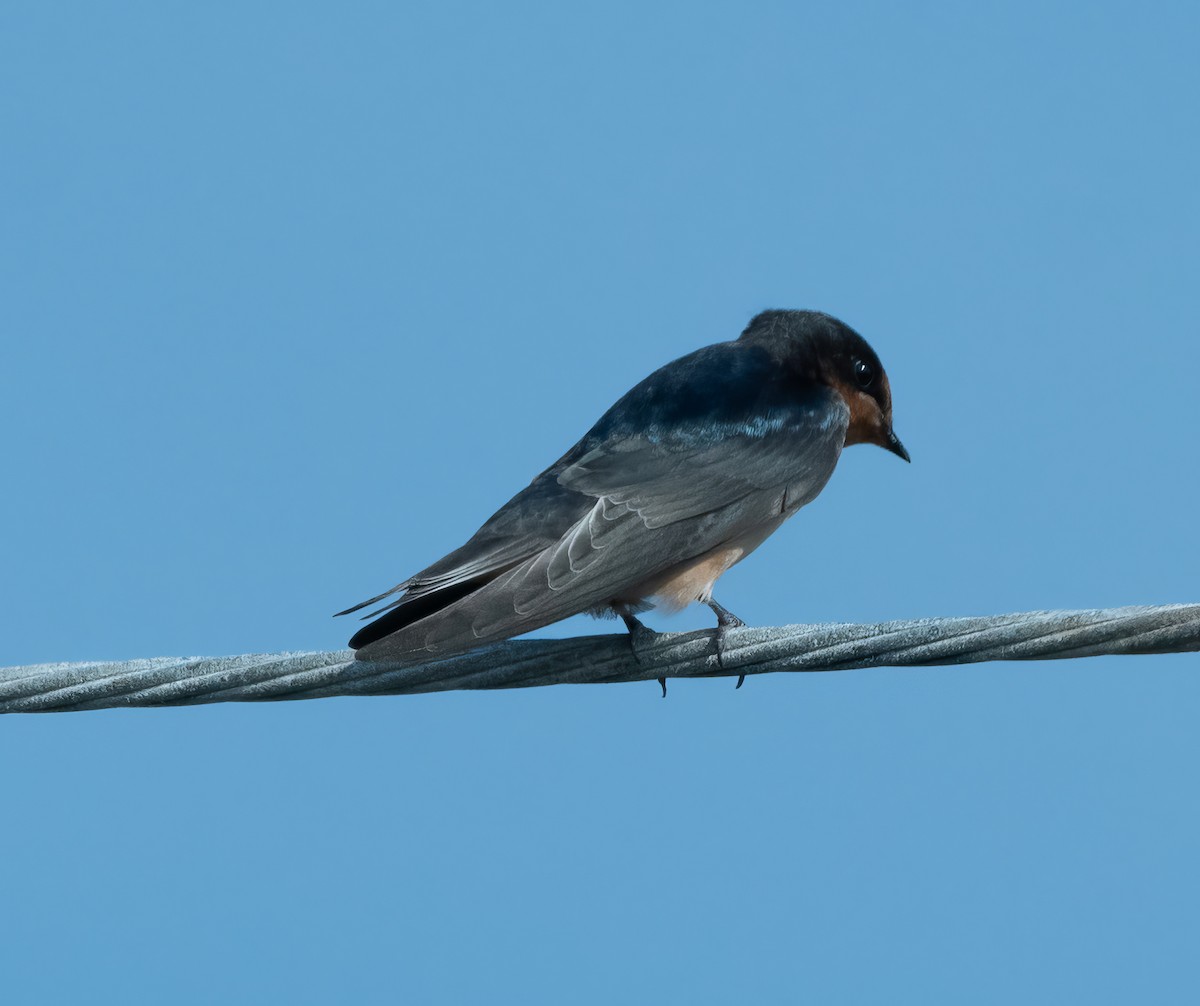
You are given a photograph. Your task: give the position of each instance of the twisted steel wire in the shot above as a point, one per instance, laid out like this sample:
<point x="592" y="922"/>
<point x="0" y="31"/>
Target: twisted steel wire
<point x="1038" y="635"/>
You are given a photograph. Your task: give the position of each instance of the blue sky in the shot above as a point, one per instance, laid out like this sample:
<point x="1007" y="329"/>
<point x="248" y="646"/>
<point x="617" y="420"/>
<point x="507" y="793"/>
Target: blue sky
<point x="296" y="295"/>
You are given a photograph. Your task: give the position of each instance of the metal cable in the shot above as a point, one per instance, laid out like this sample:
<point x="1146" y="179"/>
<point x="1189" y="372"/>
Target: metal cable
<point x="1037" y="635"/>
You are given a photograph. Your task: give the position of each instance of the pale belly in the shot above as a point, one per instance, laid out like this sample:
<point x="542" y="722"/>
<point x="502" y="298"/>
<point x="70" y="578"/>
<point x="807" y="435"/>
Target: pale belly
<point x="693" y="580"/>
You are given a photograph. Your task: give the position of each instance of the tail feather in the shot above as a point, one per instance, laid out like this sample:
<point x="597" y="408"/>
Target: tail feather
<point x="405" y="611"/>
<point x="373" y="600"/>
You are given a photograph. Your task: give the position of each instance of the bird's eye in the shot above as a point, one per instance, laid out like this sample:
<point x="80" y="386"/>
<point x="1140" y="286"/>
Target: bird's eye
<point x="864" y="373"/>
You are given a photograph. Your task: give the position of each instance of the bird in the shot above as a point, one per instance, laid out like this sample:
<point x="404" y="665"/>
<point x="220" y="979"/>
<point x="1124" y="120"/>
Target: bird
<point x="684" y="476"/>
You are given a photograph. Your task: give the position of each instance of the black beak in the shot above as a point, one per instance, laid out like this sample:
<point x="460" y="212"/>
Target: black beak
<point x="893" y="444"/>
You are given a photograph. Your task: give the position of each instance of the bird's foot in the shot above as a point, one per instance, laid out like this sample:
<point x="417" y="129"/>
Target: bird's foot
<point x="640" y="637"/>
<point x="726" y="620"/>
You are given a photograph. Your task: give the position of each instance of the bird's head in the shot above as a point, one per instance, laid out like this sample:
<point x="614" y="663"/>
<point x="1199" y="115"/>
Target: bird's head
<point x="818" y="347"/>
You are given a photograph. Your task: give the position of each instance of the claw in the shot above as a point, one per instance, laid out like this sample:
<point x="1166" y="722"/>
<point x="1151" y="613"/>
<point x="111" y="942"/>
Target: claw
<point x="726" y="620"/>
<point x="638" y="632"/>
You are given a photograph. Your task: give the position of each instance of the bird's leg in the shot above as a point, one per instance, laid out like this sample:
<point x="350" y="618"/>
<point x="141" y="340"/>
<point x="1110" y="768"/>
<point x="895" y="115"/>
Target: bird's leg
<point x="639" y="635"/>
<point x="726" y="620"/>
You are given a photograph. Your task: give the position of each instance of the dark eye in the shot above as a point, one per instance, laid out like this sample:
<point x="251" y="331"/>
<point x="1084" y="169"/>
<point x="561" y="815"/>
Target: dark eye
<point x="864" y="373"/>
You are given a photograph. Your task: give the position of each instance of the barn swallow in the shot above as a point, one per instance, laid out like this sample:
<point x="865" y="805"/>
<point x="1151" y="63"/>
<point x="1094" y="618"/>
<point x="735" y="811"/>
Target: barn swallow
<point x="684" y="476"/>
